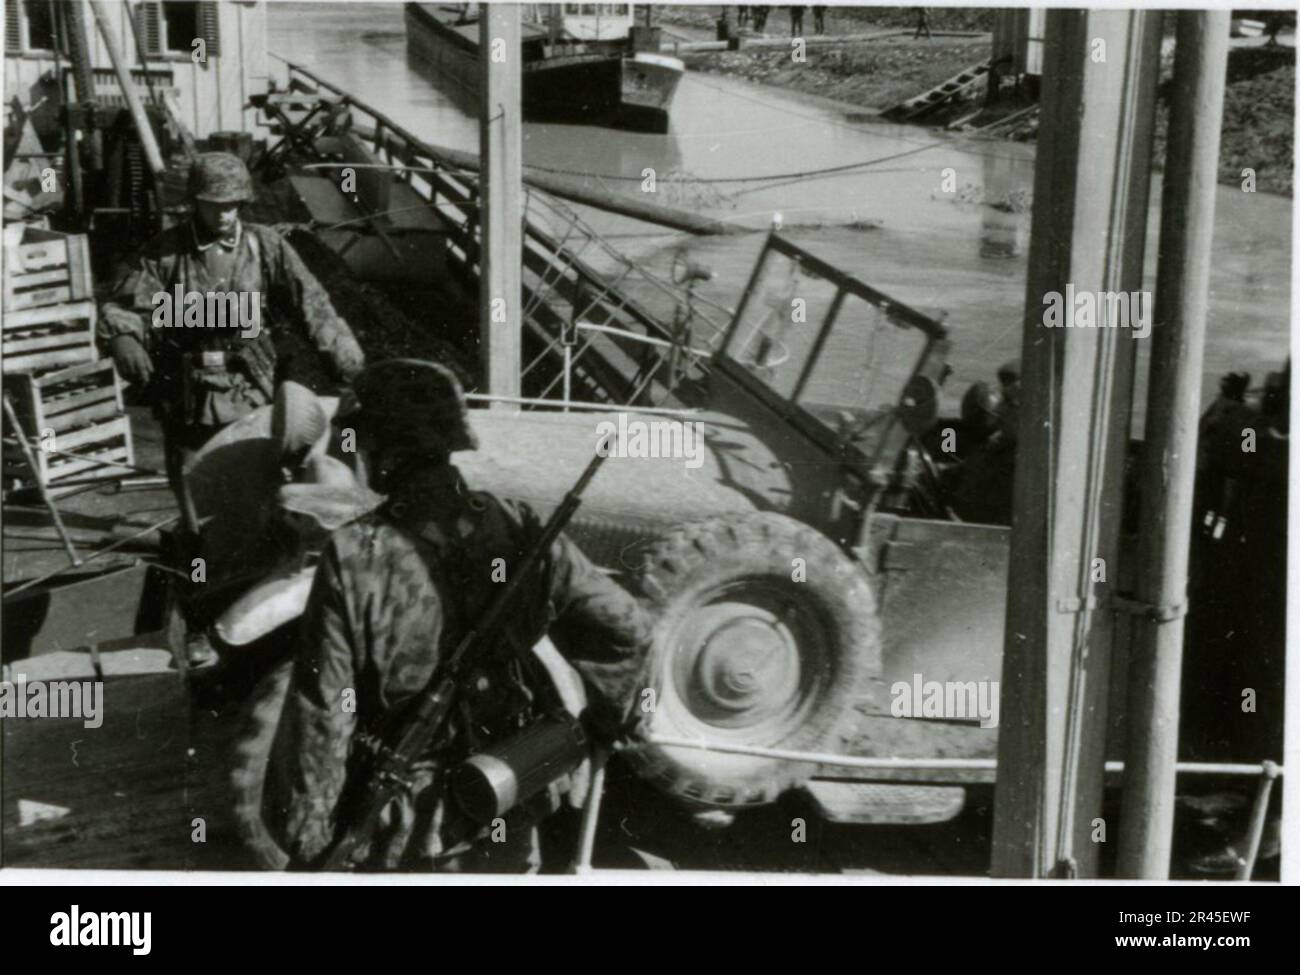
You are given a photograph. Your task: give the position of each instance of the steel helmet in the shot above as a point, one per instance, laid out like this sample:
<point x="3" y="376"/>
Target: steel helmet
<point x="219" y="177"/>
<point x="412" y="403"/>
<point x="981" y="408"/>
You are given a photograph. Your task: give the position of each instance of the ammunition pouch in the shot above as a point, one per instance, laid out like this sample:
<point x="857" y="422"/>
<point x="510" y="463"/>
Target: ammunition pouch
<point x="219" y="387"/>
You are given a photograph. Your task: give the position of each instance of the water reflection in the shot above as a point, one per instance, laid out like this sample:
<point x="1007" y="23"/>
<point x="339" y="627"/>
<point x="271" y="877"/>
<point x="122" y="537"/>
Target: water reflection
<point x="1004" y="229"/>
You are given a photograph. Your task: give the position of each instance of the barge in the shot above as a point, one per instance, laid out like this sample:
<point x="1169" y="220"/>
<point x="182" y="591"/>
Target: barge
<point x="582" y="62"/>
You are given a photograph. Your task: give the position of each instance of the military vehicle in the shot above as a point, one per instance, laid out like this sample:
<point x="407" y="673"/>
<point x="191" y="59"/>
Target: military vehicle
<point x="782" y="554"/>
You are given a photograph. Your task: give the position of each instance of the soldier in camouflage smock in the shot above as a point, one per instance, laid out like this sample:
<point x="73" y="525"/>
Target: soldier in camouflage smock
<point x="202" y="374"/>
<point x="394" y="593"/>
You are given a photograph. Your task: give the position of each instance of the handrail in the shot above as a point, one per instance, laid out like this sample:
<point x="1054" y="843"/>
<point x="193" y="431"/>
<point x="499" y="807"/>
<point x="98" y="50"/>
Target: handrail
<point x="568" y="188"/>
<point x="1268" y="769"/>
<point x="556" y="263"/>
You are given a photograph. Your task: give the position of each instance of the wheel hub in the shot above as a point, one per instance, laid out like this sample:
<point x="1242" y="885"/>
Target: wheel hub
<point x="743" y="664"/>
<point x="747" y="661"/>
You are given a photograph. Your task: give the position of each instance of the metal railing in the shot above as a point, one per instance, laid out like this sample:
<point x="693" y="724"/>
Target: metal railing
<point x="571" y="274"/>
<point x="1267" y="772"/>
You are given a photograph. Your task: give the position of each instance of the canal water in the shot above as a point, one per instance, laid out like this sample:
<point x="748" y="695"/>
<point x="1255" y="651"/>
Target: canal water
<point x="949" y="254"/>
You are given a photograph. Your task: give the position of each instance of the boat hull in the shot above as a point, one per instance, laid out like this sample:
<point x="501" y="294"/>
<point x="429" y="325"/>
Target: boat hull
<point x="597" y="83"/>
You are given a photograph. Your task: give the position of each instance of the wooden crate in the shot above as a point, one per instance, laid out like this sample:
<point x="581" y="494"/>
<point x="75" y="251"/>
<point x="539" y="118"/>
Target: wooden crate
<point x="36" y="339"/>
<point x="45" y="267"/>
<point x="77" y="411"/>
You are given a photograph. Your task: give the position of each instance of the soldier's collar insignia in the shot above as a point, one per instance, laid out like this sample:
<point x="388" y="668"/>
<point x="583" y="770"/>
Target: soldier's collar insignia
<point x="227" y="243"/>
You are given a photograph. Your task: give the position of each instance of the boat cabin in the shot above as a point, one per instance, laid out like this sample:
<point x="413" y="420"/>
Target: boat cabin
<point x="582" y="21"/>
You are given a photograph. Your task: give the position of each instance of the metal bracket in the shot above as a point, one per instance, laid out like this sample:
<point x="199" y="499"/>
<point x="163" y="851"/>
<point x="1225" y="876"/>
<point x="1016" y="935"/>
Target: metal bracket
<point x="1123" y="604"/>
<point x="1073" y="604"/>
<point x="1158" y="614"/>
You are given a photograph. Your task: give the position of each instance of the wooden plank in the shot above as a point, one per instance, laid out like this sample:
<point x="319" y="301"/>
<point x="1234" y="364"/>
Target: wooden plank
<point x="50" y="313"/>
<point x="58" y="406"/>
<point x="32" y="279"/>
<point x="79" y="273"/>
<point x="35" y="256"/>
<point x="74" y="473"/>
<point x="96" y="434"/>
<point x="74" y="372"/>
<point x="47" y="360"/>
<point x="17" y="301"/>
<point x="51" y="339"/>
<point x="96" y="410"/>
<point x="89" y="466"/>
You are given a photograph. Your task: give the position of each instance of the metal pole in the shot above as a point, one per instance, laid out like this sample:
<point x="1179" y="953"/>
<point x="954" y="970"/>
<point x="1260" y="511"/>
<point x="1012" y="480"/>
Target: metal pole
<point x="591" y="812"/>
<point x="34" y="464"/>
<point x="1169" y="458"/>
<point x="1268" y="769"/>
<point x="568" y="377"/>
<point x="150" y="145"/>
<point x="1091" y="187"/>
<point x="501" y="216"/>
<point x="1258" y="817"/>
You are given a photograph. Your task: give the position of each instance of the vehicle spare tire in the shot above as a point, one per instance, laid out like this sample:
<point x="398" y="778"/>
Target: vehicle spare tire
<point x="250" y="762"/>
<point x="766" y="634"/>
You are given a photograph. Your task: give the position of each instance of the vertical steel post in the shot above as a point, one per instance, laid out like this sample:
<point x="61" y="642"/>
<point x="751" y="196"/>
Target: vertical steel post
<point x="1169" y="460"/>
<point x="152" y="154"/>
<point x="1091" y="187"/>
<point x="500" y="215"/>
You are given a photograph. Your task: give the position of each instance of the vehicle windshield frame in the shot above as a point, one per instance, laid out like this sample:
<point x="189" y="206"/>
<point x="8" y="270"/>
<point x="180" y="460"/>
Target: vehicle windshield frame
<point x="897" y="313"/>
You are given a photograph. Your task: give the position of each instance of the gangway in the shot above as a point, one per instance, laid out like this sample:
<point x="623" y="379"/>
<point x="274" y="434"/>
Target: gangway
<point x="940" y="94"/>
<point x="572" y="277"/>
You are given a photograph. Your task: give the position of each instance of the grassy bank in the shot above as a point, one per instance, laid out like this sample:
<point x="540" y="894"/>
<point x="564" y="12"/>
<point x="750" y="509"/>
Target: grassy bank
<point x="1259" y="108"/>
<point x="1258" y="119"/>
<point x="839" y="20"/>
<point x="872" y="76"/>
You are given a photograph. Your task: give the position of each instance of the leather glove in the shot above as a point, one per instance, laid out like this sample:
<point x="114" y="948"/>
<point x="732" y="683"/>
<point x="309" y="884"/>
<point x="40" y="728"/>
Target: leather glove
<point x="131" y="358"/>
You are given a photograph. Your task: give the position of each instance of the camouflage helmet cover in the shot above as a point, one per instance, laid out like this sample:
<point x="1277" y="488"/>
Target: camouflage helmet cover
<point x="415" y="403"/>
<point x="219" y="177"/>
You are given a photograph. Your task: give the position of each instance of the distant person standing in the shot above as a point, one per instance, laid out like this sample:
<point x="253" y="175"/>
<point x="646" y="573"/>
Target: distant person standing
<point x="760" y="17"/>
<point x="1273" y="26"/>
<point x="922" y="23"/>
<point x="742" y="16"/>
<point x="819" y="20"/>
<point x="796" y="21"/>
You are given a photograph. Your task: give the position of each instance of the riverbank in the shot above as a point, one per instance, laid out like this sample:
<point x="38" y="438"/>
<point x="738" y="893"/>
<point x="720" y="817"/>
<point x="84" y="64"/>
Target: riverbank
<point x="871" y="76"/>
<point x="1258" y="119"/>
<point x="868" y="77"/>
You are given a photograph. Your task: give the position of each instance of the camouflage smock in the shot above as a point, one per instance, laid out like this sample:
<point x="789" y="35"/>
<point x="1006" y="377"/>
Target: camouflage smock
<point x="393" y="594"/>
<point x="260" y="262"/>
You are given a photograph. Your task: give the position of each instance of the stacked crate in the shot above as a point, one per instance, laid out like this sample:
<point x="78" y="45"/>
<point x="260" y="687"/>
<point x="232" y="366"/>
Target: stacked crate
<point x="68" y="401"/>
